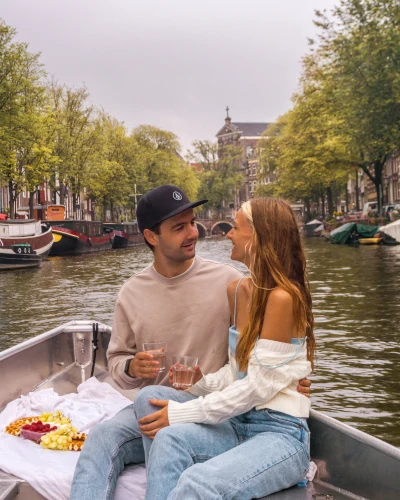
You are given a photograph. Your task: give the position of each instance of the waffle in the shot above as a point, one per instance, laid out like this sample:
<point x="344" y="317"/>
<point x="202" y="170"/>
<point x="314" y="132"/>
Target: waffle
<point x="75" y="445"/>
<point x="15" y="427"/>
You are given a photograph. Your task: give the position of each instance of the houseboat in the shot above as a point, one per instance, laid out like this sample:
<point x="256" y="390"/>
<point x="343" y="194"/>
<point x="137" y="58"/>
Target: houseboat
<point x="24" y="243"/>
<point x="126" y="234"/>
<point x="79" y="236"/>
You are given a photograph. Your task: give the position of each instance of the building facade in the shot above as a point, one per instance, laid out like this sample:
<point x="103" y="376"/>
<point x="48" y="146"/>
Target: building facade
<point x="361" y="190"/>
<point x="83" y="209"/>
<point x="247" y="135"/>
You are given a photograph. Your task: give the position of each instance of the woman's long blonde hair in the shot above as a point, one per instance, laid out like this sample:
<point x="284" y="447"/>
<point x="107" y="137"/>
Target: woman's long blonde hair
<point x="276" y="259"/>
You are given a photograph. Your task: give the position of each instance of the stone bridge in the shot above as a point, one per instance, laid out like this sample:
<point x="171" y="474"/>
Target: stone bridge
<point x="213" y="227"/>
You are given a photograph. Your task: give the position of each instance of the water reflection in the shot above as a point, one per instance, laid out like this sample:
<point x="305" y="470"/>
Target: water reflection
<point x="356" y="306"/>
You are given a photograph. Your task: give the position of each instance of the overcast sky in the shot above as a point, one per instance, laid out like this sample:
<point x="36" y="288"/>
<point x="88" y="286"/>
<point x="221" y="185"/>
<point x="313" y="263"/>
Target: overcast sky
<point x="175" y="64"/>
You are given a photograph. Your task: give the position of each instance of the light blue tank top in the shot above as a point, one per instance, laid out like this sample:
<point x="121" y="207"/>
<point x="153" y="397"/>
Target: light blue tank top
<point x="234" y="334"/>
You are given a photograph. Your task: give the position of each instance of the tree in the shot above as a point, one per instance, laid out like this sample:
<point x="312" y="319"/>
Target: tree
<point x="359" y="49"/>
<point x="76" y="139"/>
<point x="108" y="180"/>
<point x="155" y="160"/>
<point x="219" y="176"/>
<point x="25" y="141"/>
<point x="304" y="149"/>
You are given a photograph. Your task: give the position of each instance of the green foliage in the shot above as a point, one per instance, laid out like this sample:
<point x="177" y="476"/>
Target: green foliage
<point x="52" y="134"/>
<point x="219" y="174"/>
<point x="359" y="53"/>
<point x="76" y="137"/>
<point x="346" y="113"/>
<point x="127" y="164"/>
<point x="25" y="119"/>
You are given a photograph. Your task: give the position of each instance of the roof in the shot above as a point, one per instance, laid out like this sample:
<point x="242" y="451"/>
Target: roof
<point x="251" y="129"/>
<point x="247" y="129"/>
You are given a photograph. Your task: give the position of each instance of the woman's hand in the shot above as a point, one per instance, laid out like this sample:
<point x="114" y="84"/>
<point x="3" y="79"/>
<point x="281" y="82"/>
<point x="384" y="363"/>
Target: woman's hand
<point x="198" y="375"/>
<point x="150" y="425"/>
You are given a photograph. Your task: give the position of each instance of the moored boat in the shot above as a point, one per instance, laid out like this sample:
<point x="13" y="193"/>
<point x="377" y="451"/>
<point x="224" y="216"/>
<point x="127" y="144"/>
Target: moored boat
<point x="391" y="233"/>
<point x="79" y="236"/>
<point x="24" y="243"/>
<point x="351" y="464"/>
<point x="126" y="234"/>
<point x="370" y="241"/>
<point x="352" y="232"/>
<point x="310" y="227"/>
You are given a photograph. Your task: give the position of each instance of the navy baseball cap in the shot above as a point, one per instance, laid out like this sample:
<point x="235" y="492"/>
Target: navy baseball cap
<point x="160" y="204"/>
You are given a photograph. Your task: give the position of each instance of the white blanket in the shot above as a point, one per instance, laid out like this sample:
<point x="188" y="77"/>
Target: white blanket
<point x="50" y="472"/>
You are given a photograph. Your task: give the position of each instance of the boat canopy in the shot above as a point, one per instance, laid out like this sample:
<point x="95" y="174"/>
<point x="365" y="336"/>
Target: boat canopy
<point x="342" y="234"/>
<point x="392" y="230"/>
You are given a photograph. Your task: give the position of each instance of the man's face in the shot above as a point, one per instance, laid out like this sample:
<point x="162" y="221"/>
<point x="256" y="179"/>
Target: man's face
<point x="178" y="237"/>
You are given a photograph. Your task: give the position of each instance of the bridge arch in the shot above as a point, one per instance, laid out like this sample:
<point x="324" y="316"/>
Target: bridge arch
<point x="201" y="229"/>
<point x="222" y="226"/>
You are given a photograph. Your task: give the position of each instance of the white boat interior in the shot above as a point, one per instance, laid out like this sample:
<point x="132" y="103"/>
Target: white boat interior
<point x="351" y="464"/>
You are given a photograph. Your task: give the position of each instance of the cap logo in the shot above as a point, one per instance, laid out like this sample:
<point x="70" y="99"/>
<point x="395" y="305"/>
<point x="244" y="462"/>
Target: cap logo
<point x="177" y="196"/>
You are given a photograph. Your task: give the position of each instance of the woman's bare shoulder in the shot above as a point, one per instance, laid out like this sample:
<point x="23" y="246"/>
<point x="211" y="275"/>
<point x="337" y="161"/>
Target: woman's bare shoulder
<point x="280" y="296"/>
<point x="278" y="320"/>
<point x="244" y="286"/>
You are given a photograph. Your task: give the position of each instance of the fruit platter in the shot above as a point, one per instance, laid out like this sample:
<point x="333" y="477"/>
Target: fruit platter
<point x="53" y="431"/>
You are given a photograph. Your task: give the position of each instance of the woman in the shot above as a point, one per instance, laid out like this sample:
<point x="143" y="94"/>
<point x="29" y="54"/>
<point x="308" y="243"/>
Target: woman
<point x="255" y="438"/>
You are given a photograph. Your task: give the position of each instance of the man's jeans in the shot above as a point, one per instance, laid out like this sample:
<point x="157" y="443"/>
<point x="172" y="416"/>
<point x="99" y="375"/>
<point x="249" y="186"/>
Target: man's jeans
<point x="115" y="443"/>
<point x="249" y="456"/>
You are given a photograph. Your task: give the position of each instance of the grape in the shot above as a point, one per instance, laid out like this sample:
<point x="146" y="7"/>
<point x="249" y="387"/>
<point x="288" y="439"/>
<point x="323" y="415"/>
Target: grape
<point x="57" y="436"/>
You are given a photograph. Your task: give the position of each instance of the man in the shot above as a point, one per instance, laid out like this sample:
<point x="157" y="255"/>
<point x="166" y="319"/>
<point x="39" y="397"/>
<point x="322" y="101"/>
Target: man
<point x="180" y="299"/>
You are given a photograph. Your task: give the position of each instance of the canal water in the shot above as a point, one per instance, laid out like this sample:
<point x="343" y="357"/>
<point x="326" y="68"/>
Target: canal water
<point x="356" y="294"/>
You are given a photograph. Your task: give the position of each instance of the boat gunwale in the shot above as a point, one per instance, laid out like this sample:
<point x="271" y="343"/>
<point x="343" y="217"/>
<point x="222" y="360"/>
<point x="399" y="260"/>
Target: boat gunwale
<point x="71" y="326"/>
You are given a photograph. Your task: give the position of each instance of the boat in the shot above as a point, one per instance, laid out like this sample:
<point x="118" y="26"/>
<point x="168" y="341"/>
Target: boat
<point x="318" y="230"/>
<point x="351" y="464"/>
<point x="325" y="234"/>
<point x="370" y="241"/>
<point x="126" y="234"/>
<point x="311" y="226"/>
<point x="391" y="233"/>
<point x="24" y="243"/>
<point x="79" y="236"/>
<point x="351" y="233"/>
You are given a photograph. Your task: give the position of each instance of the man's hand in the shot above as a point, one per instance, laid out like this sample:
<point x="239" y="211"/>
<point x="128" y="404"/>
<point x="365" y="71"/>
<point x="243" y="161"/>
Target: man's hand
<point x="304" y="387"/>
<point x="150" y="425"/>
<point x="143" y="366"/>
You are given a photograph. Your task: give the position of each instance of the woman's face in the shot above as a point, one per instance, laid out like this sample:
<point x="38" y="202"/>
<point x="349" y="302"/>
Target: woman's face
<point x="241" y="235"/>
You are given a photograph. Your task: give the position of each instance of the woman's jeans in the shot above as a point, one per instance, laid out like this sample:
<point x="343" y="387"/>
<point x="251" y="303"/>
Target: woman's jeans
<point x="115" y="443"/>
<point x="249" y="456"/>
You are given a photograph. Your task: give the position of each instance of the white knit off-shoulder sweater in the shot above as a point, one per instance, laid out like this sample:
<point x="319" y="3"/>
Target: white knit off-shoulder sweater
<point x="222" y="395"/>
